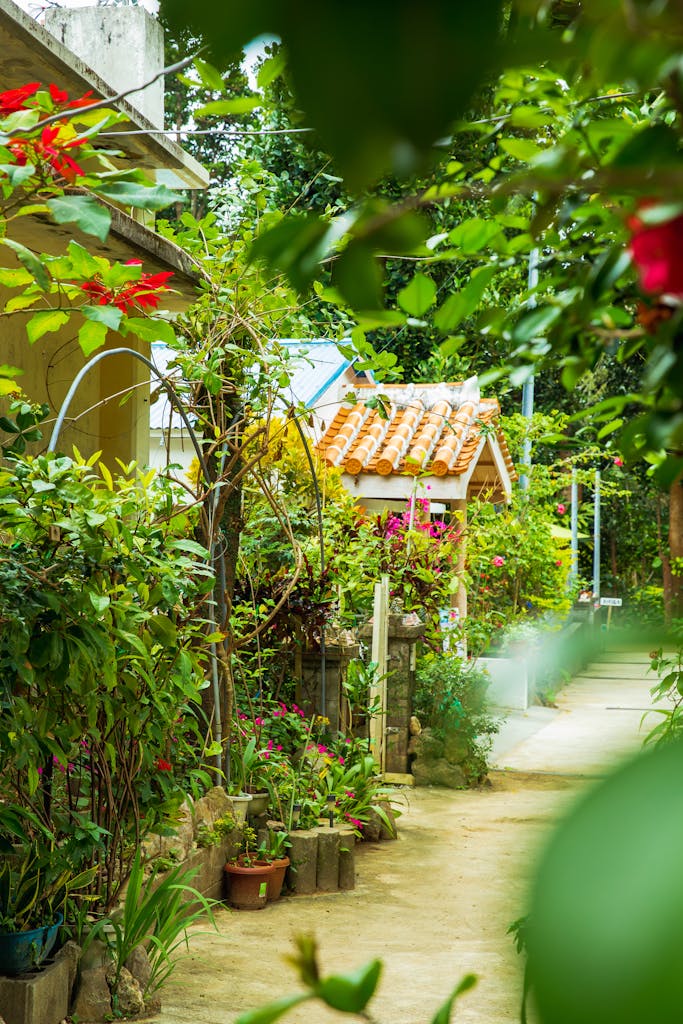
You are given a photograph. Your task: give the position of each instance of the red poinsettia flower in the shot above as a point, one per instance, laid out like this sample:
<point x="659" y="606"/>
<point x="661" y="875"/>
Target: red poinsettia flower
<point x="49" y="148"/>
<point x="136" y="295"/>
<point x="15" y="99"/>
<point x="657" y="252"/>
<point x="61" y="98"/>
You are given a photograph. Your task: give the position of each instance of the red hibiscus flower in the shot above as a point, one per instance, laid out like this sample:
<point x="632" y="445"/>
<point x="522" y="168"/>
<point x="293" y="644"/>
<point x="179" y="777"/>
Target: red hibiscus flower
<point x="656" y="252"/>
<point x="15" y="99"/>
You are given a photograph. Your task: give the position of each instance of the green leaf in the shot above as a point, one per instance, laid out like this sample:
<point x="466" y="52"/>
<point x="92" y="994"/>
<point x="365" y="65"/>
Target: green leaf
<point x="83" y="211"/>
<point x="296" y="245"/>
<point x="100" y="602"/>
<point x="221" y="108"/>
<point x="350" y="992"/>
<point x="162" y="629"/>
<point x="91" y="336"/>
<point x="443" y="1014"/>
<point x="30" y="261"/>
<point x="131" y="193"/>
<point x="16" y="174"/>
<point x="149" y="329"/>
<point x="606" y="917"/>
<point x="418" y="295"/>
<point x="45" y="323"/>
<point x="530" y="117"/>
<point x="349" y="69"/>
<point x="14" y="277"/>
<point x="83" y="265"/>
<point x="520" y="149"/>
<point x="273" y="1011"/>
<point x="472" y="235"/>
<point x="458" y="307"/>
<point x="358" y="276"/>
<point x="109" y="315"/>
<point x="21" y="302"/>
<point x="534" y="323"/>
<point x="610" y="428"/>
<point x="270" y="69"/>
<point x="209" y="75"/>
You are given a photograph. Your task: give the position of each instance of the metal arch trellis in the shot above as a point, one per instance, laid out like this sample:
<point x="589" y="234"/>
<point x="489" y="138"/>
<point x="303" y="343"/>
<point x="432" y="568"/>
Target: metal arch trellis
<point x="175" y="401"/>
<point x="216" y="563"/>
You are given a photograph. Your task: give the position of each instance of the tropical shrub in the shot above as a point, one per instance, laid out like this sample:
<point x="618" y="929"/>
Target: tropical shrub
<point x="450" y="699"/>
<point x="102" y="667"/>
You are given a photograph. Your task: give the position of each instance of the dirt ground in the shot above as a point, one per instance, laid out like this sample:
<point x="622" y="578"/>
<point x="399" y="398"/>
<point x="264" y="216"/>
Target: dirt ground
<point x="436" y="903"/>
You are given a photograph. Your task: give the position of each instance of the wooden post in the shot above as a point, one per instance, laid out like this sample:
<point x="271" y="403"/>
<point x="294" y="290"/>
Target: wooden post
<point x="380" y="650"/>
<point x="459" y="599"/>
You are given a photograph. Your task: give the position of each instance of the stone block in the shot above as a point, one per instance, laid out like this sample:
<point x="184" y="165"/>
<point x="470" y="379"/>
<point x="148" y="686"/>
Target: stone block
<point x="93" y="999"/>
<point x="303" y="854"/>
<point x="439" y="772"/>
<point x="347" y="859"/>
<point x="40" y="997"/>
<point x="327" y="871"/>
<point x="213" y="805"/>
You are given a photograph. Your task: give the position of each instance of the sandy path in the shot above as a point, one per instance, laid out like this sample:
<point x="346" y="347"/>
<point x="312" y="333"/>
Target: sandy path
<point x="436" y="903"/>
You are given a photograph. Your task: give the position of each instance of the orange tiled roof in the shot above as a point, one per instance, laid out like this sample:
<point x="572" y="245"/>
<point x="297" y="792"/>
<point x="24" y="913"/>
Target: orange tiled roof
<point x="431" y="428"/>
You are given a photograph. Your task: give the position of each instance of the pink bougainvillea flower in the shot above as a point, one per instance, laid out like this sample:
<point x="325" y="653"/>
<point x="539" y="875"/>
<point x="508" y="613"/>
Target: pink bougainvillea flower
<point x="15" y="99"/>
<point x="656" y="253"/>
<point x="354" y="821"/>
<point x="162" y="765"/>
<point x="498" y="560"/>
<point x="561" y="509"/>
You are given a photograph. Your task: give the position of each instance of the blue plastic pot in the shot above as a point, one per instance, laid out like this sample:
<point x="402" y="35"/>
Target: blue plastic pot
<point x="22" y="951"/>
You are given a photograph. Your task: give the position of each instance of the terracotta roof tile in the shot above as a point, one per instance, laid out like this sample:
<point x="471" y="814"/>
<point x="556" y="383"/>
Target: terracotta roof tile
<point x="431" y="428"/>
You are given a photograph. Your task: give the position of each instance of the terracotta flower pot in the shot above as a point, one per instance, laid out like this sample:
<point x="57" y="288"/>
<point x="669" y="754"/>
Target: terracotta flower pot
<point x="276" y="880"/>
<point x="247" y="885"/>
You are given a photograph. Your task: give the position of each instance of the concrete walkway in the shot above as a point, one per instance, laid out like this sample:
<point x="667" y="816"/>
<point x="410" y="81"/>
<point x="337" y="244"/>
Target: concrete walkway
<point x="436" y="903"/>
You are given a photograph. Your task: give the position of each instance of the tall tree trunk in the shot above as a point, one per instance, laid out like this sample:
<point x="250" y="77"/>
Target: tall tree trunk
<point x="676" y="548"/>
<point x="662" y="551"/>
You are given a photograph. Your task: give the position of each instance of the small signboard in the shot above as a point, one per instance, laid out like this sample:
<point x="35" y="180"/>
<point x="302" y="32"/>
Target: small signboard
<point x="610" y="602"/>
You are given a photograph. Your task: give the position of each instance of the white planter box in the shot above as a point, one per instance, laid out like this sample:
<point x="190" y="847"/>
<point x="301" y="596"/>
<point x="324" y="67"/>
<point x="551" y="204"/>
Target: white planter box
<point x="510" y="684"/>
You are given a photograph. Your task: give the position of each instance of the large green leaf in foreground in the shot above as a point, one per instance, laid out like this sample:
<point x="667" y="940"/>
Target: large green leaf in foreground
<point x="606" y="925"/>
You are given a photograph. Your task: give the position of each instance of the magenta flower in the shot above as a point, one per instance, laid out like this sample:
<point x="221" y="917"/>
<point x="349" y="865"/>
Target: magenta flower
<point x="322" y="749"/>
<point x="498" y="560"/>
<point x="561" y="509"/>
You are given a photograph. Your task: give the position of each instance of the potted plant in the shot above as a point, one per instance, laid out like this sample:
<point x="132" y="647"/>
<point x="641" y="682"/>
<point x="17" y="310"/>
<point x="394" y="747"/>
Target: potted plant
<point x="248" y="780"/>
<point x="274" y="850"/>
<point x="36" y="876"/>
<point x="247" y="875"/>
